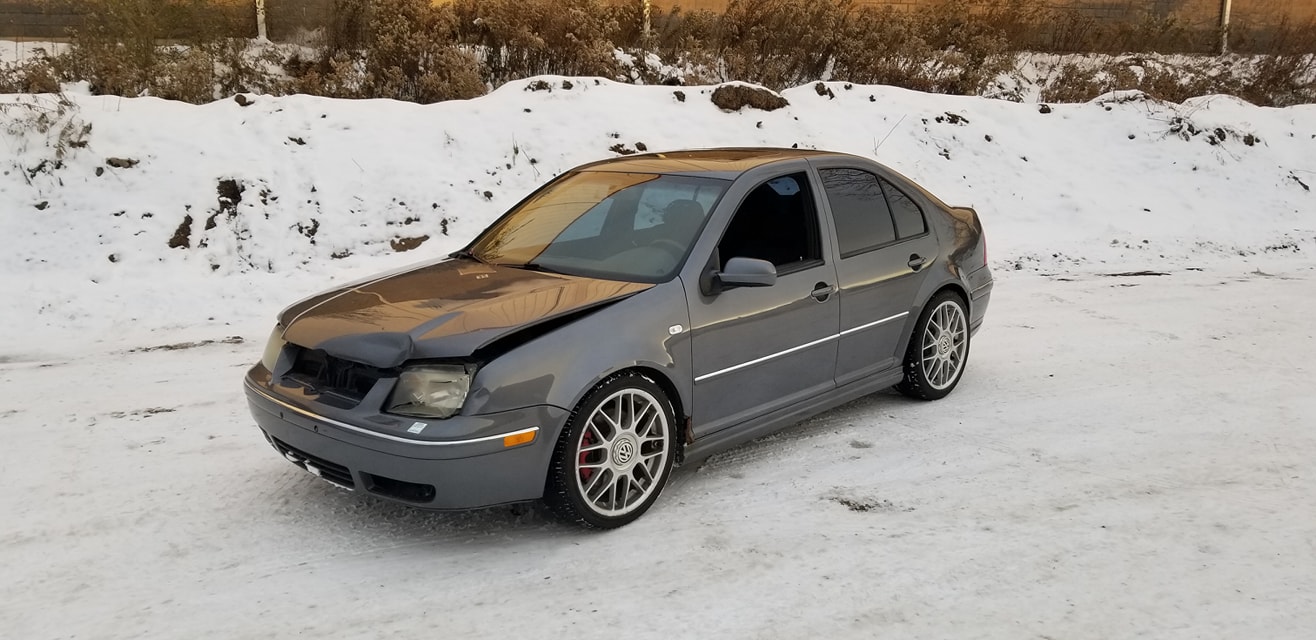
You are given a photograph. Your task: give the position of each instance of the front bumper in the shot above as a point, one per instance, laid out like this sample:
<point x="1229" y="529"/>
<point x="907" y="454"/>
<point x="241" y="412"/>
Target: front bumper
<point x="434" y="472"/>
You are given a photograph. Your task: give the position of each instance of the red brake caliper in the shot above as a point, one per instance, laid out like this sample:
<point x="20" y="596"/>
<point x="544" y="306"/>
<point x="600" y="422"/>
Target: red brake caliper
<point x="586" y="440"/>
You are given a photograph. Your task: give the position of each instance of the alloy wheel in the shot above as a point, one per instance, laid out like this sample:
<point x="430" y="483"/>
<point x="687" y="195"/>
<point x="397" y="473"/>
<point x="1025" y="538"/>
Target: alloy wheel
<point x="944" y="345"/>
<point x="622" y="452"/>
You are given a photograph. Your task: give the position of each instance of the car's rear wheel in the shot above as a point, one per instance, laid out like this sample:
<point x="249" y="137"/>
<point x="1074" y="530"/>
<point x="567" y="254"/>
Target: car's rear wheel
<point x="938" y="349"/>
<point x="615" y="454"/>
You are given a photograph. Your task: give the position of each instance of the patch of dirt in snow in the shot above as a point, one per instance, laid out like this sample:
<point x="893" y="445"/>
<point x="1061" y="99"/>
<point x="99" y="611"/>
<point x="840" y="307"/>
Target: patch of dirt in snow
<point x="178" y="346"/>
<point x="865" y="504"/>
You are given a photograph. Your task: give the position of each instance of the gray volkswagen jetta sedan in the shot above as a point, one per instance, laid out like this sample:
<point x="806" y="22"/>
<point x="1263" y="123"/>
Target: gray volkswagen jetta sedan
<point x="629" y="315"/>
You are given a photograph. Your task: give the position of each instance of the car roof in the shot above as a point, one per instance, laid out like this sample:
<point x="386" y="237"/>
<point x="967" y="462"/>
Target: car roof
<point x="724" y="163"/>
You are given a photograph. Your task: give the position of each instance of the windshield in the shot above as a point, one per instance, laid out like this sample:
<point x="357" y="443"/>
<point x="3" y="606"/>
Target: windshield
<point x="636" y="227"/>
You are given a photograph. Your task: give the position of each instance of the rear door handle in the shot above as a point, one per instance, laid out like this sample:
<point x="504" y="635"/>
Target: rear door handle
<point x="916" y="261"/>
<point x="822" y="291"/>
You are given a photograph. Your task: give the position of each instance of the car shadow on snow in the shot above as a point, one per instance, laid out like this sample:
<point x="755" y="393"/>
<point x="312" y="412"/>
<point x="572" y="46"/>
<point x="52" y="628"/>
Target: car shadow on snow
<point x="849" y="421"/>
<point x="306" y="503"/>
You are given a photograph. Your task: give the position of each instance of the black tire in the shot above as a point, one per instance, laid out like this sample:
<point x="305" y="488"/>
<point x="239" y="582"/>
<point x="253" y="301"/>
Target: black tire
<point x="630" y="454"/>
<point x="934" y="349"/>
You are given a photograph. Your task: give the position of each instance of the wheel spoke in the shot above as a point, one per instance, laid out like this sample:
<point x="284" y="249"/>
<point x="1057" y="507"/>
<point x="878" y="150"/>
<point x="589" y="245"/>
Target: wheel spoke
<point x="648" y="476"/>
<point x="607" y="422"/>
<point x="643" y="420"/>
<point x="623" y="490"/>
<point x="597" y="482"/>
<point x="614" y="422"/>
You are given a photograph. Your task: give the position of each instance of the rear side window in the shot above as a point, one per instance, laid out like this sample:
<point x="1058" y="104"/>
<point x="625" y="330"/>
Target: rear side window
<point x="909" y="218"/>
<point x="859" y="208"/>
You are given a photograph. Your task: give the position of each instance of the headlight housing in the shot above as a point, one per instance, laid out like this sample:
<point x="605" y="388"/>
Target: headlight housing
<point x="430" y="390"/>
<point x="273" y="347"/>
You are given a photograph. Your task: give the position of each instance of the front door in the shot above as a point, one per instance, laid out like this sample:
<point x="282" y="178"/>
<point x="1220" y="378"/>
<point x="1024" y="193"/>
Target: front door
<point x="758" y="349"/>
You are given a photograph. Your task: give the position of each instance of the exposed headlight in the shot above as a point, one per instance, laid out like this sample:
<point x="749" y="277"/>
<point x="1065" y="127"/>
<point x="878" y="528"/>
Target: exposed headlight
<point x="430" y="391"/>
<point x="273" y="347"/>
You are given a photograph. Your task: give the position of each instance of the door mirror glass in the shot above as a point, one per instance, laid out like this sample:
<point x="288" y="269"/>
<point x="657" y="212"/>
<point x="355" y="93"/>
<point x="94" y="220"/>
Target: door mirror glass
<point x="748" y="272"/>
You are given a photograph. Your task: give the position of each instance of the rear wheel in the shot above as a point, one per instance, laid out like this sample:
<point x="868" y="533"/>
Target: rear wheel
<point x="615" y="454"/>
<point x="938" y="350"/>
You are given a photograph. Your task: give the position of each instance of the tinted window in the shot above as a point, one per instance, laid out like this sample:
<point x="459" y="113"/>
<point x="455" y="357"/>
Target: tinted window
<point x="909" y="218"/>
<point x="776" y="222"/>
<point x="859" y="210"/>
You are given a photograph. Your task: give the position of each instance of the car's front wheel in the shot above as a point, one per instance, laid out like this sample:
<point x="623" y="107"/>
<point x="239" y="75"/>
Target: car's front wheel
<point x="614" y="455"/>
<point x="938" y="350"/>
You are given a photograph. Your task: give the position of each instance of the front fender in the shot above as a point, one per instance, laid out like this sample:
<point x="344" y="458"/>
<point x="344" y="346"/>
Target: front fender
<point x="561" y="366"/>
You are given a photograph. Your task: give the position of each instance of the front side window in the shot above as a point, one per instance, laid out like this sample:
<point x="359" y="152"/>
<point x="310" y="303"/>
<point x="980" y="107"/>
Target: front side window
<point x="635" y="227"/>
<point x="776" y="222"/>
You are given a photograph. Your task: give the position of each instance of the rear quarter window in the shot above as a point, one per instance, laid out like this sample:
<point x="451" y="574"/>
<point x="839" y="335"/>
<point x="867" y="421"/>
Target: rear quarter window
<point x="906" y="213"/>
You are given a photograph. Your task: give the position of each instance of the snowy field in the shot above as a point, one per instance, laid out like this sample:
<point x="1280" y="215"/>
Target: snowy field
<point x="1126" y="456"/>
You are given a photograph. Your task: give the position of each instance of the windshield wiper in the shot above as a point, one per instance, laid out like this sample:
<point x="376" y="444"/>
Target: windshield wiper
<point x="535" y="266"/>
<point x="464" y="253"/>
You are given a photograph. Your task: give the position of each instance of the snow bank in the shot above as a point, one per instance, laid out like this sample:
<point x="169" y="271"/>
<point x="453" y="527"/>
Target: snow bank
<point x="141" y="212"/>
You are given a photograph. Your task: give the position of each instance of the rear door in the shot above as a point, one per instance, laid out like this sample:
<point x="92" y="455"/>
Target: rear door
<point x="883" y="246"/>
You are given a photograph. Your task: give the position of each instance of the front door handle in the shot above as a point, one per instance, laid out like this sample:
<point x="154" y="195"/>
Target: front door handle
<point x="822" y="291"/>
<point x="916" y="261"/>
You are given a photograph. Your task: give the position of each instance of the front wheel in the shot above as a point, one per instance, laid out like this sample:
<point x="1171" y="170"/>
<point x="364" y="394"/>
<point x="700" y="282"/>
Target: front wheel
<point x="614" y="455"/>
<point x="938" y="350"/>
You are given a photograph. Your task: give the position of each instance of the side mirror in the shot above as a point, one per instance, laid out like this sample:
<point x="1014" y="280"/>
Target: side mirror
<point x="748" y="272"/>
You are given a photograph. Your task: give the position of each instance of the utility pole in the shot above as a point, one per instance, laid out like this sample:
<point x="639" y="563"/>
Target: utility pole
<point x="261" y="33"/>
<point x="647" y="25"/>
<point x="1224" y="26"/>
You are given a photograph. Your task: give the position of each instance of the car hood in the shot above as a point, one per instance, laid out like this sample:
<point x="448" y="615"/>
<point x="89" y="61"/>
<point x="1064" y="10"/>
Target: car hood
<point x="446" y="309"/>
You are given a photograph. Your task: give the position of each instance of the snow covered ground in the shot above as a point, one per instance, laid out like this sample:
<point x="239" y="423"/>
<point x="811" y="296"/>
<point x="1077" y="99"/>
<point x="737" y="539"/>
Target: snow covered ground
<point x="1126" y="455"/>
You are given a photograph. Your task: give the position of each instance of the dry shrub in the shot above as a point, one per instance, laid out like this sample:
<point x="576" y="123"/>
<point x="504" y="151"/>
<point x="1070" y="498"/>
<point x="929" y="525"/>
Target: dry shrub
<point x="422" y="51"/>
<point x="1286" y="73"/>
<point x="53" y="122"/>
<point x="119" y="51"/>
<point x="522" y="38"/>
<point x="115" y="49"/>
<point x="1083" y="81"/>
<point x="688" y="40"/>
<point x="781" y="43"/>
<point x="1278" y="80"/>
<point x="941" y="48"/>
<point x="399" y="49"/>
<point x="35" y="75"/>
<point x="1073" y="82"/>
<point x="411" y="54"/>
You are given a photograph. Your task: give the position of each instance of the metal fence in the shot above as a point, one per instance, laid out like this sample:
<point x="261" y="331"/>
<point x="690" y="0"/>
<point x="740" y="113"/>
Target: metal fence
<point x="294" y="19"/>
